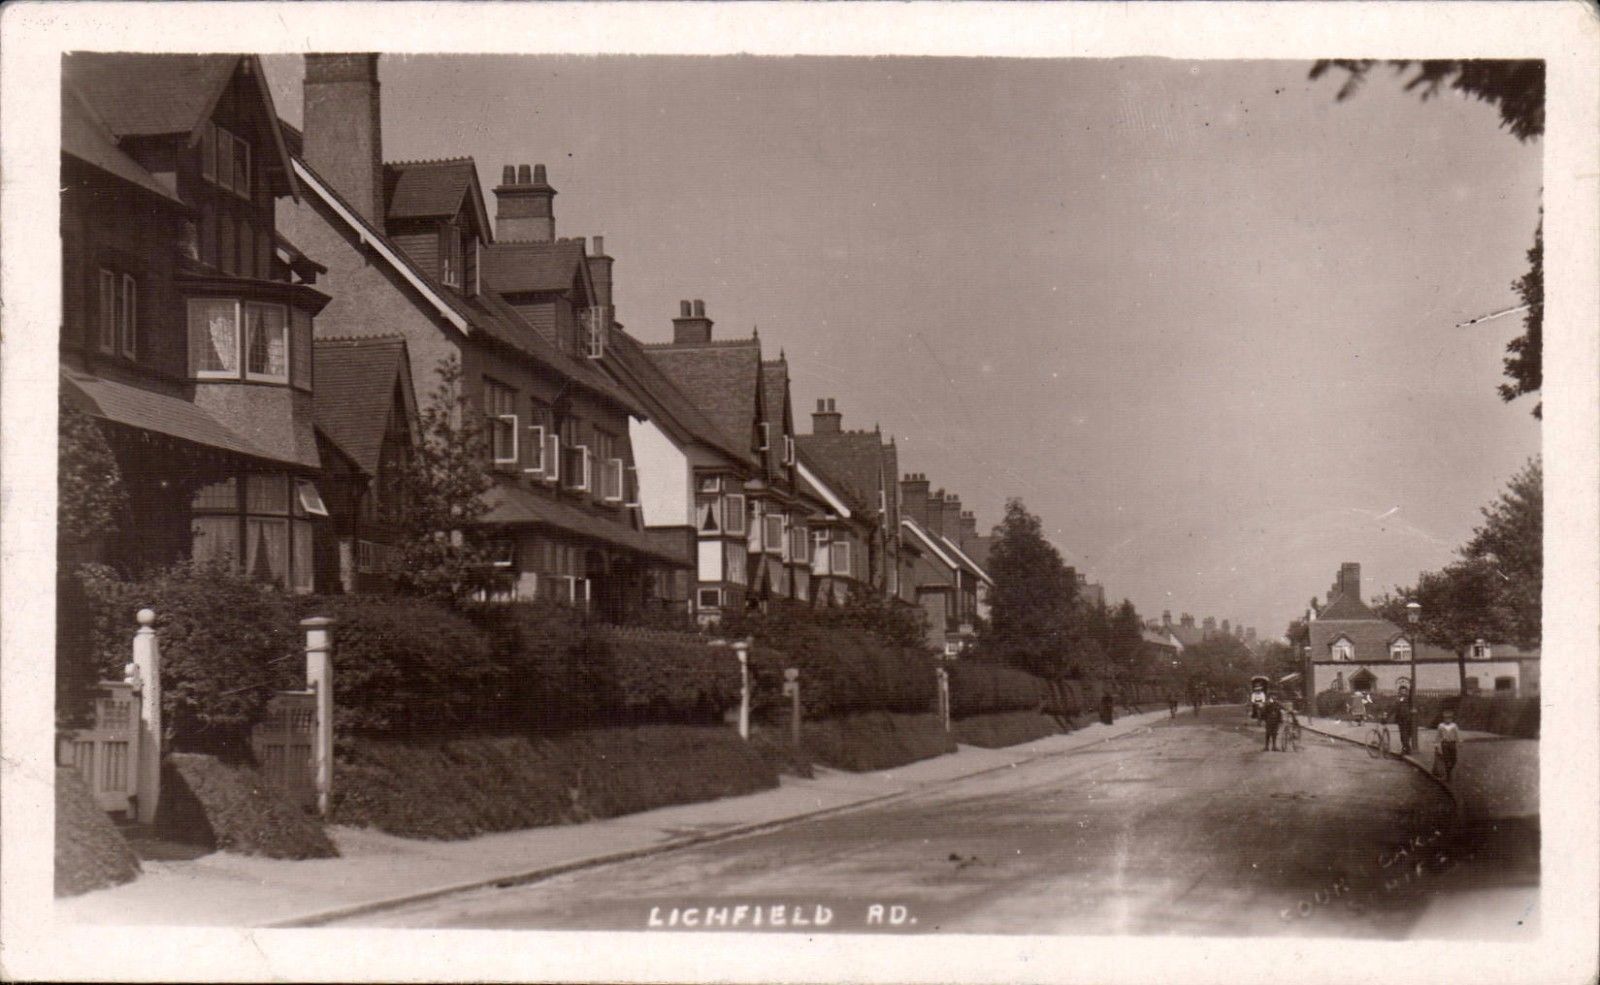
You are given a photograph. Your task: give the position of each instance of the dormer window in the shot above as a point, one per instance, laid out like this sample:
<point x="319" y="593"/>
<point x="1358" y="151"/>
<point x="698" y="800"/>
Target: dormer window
<point x="225" y="160"/>
<point x="596" y="323"/>
<point x="1344" y="650"/>
<point x="1400" y="650"/>
<point x="451" y="264"/>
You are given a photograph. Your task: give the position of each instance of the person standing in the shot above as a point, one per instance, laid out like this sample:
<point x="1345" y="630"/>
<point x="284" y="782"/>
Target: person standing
<point x="1108" y="708"/>
<point x="1405" y="716"/>
<point x="1172" y="705"/>
<point x="1272" y="715"/>
<point x="1449" y="744"/>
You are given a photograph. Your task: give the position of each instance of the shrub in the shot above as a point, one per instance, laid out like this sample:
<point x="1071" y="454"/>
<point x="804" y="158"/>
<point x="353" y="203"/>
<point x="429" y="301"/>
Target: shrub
<point x="665" y="675"/>
<point x="557" y="668"/>
<point x="462" y="788"/>
<point x="875" y="740"/>
<point x="227" y="643"/>
<point x="407" y="666"/>
<point x="90" y="852"/>
<point x="1008" y="728"/>
<point x="1332" y="704"/>
<point x="208" y="802"/>
<point x="976" y="688"/>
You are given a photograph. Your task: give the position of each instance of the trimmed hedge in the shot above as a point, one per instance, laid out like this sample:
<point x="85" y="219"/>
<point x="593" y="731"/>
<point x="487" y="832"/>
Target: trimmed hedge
<point x="466" y="787"/>
<point x="217" y="805"/>
<point x="875" y="741"/>
<point x="90" y="853"/>
<point x="1008" y="728"/>
<point x="673" y="675"/>
<point x="843" y="669"/>
<point x="978" y="688"/>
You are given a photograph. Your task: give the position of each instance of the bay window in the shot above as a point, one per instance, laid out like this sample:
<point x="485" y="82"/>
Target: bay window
<point x="233" y="339"/>
<point x="733" y="513"/>
<point x="267" y="341"/>
<point x="260" y="524"/>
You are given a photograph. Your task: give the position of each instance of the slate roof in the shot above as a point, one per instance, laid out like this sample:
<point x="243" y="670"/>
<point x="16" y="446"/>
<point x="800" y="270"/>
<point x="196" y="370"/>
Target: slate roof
<point x="1344" y="608"/>
<point x="355" y="385"/>
<point x="1370" y="637"/>
<point x="85" y="136"/>
<point x="513" y="505"/>
<point x="668" y="405"/>
<point x="717" y="377"/>
<point x="433" y="189"/>
<point x="160" y="413"/>
<point x="521" y="268"/>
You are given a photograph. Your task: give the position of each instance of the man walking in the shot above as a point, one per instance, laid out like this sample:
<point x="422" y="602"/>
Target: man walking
<point x="1272" y="714"/>
<point x="1172" y="705"/>
<point x="1405" y="716"/>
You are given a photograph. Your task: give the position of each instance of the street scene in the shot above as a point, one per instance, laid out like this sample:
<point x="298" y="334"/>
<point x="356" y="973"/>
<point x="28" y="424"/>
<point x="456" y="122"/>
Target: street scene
<point x="1050" y="497"/>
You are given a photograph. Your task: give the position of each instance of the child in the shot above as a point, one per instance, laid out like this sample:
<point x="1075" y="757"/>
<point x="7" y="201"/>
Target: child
<point x="1449" y="742"/>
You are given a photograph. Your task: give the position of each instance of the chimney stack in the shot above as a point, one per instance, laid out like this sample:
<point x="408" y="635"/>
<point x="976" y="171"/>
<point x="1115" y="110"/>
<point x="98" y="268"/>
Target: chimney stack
<point x="952" y="517"/>
<point x="1350" y="580"/>
<point x="343" y="128"/>
<point x="691" y="327"/>
<point x="826" y="420"/>
<point x="914" y="497"/>
<point x="1186" y="621"/>
<point x="969" y="527"/>
<point x="524" y="208"/>
<point x="600" y="272"/>
<point x="1166" y="618"/>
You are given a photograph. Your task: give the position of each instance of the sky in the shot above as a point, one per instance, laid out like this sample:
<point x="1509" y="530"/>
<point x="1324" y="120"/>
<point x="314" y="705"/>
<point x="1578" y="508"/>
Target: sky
<point x="1199" y="316"/>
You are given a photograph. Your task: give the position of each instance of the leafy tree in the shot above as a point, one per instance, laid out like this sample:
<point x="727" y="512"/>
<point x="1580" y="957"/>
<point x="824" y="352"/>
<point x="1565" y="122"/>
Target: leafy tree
<point x="89" y="494"/>
<point x="1125" y="642"/>
<point x="444" y="551"/>
<point x="1033" y="603"/>
<point x="1516" y="89"/>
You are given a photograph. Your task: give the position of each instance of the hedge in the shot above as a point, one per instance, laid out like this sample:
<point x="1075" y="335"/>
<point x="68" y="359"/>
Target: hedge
<point x="979" y="688"/>
<point x="1007" y="728"/>
<point x="1517" y="717"/>
<point x="875" y="741"/>
<point x="90" y="853"/>
<point x="844" y="669"/>
<point x="208" y="802"/>
<point x="668" y="675"/>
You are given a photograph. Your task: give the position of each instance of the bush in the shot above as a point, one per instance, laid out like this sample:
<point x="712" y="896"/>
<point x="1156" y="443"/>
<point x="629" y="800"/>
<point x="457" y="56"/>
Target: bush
<point x="1332" y="704"/>
<point x="90" y="852"/>
<point x="208" y="802"/>
<point x="227" y="643"/>
<point x="556" y="667"/>
<point x="1009" y="728"/>
<point x="406" y="666"/>
<point x="467" y="787"/>
<point x="977" y="688"/>
<point x="875" y="741"/>
<point x="664" y="675"/>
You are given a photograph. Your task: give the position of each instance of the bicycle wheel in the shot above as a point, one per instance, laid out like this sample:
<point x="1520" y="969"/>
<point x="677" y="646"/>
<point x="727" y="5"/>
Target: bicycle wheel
<point x="1375" y="744"/>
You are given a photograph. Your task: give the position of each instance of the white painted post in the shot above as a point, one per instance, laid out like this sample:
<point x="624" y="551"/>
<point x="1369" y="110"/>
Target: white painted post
<point x="791" y="687"/>
<point x="741" y="649"/>
<point x="944" y="696"/>
<point x="319" y="678"/>
<point x="146" y="674"/>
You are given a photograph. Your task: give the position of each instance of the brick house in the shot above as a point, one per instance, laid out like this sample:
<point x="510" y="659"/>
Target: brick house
<point x="1352" y="648"/>
<point x="187" y="318"/>
<point x="410" y="252"/>
<point x="946" y="579"/>
<point x="864" y="465"/>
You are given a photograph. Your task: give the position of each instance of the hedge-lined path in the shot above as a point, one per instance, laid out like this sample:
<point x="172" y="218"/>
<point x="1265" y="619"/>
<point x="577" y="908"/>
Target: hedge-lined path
<point x="378" y="871"/>
<point x="1184" y="827"/>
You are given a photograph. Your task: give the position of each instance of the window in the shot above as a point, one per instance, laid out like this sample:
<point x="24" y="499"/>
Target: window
<point x="738" y="564"/>
<point x="265" y="532"/>
<point x="300" y="345"/>
<point x="1507" y="685"/>
<point x="536" y="449"/>
<point x="710" y="484"/>
<point x="108" y="311"/>
<point x="226" y="247"/>
<point x="819" y="557"/>
<point x="774" y="538"/>
<point x="503" y="554"/>
<point x="799" y="544"/>
<point x="208" y="153"/>
<point x="788" y="449"/>
<point x="765" y="431"/>
<point x="596" y="323"/>
<point x="450" y="254"/>
<point x="579" y="469"/>
<point x="733" y="513"/>
<point x="310" y="500"/>
<point x="709" y="511"/>
<point x="372" y="558"/>
<point x="241" y="167"/>
<point x="631" y="492"/>
<point x="1481" y="651"/>
<point x="612" y="479"/>
<point x="225" y="160"/>
<point x="710" y="598"/>
<point x="247" y="249"/>
<point x="1344" y="650"/>
<point x="224" y="175"/>
<point x="500" y="418"/>
<point x="267" y="342"/>
<point x="1400" y="650"/>
<point x="841" y="558"/>
<point x="213" y="337"/>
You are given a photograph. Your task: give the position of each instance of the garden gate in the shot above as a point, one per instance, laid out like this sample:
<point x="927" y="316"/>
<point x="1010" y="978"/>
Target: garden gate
<point x="107" y="753"/>
<point x="283" y="741"/>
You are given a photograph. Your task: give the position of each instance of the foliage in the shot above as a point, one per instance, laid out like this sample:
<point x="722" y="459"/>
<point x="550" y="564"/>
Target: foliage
<point x="1124" y="643"/>
<point x="556" y="666"/>
<point x="1009" y="728"/>
<point x="78" y="669"/>
<point x="227" y="642"/>
<point x="892" y="622"/>
<point x="875" y="740"/>
<point x="1033" y="603"/>
<point x="673" y="675"/>
<point x="232" y="807"/>
<point x="1220" y="665"/>
<point x="89" y="494"/>
<point x="444" y="552"/>
<point x="90" y="853"/>
<point x="466" y="787"/>
<point x="978" y="688"/>
<point x="1517" y="90"/>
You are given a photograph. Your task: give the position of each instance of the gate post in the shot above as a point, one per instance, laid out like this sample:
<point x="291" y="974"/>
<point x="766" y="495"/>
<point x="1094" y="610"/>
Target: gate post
<point x="319" y="679"/>
<point x="146" y="673"/>
<point x="741" y="649"/>
<point x="791" y="687"/>
<point x="944" y="696"/>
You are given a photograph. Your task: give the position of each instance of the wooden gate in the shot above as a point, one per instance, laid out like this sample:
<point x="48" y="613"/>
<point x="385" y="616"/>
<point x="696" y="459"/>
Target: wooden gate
<point x="107" y="754"/>
<point x="282" y="743"/>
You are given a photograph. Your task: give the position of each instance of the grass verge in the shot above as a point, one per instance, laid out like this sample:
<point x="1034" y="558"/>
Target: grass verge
<point x="875" y="740"/>
<point x="90" y="852"/>
<point x="1006" y="728"/>
<point x="465" y="787"/>
<point x="207" y="802"/>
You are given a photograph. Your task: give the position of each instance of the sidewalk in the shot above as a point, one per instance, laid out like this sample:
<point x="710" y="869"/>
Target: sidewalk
<point x="377" y="870"/>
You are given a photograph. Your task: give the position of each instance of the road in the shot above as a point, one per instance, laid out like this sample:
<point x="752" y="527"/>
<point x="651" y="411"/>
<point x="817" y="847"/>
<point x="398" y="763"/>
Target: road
<point x="1180" y="828"/>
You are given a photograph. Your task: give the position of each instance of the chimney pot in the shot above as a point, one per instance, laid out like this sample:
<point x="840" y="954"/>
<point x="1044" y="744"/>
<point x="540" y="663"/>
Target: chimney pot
<point x="538" y="174"/>
<point x="524" y="175"/>
<point x="508" y="174"/>
<point x="599" y="246"/>
<point x="684" y="310"/>
<point x="699" y="308"/>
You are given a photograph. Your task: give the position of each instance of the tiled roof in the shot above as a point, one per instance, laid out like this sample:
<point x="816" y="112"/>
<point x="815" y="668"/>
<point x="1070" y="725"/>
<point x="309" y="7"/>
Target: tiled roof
<point x="966" y="560"/>
<point x="158" y="413"/>
<point x="519" y="268"/>
<point x="1371" y="638"/>
<point x="355" y="385"/>
<point x="512" y="505"/>
<point x="855" y="458"/>
<point x="1346" y="607"/>
<point x="774" y="388"/>
<point x="812" y="477"/>
<point x="430" y="189"/>
<point x="666" y="403"/>
<point x="146" y="94"/>
<point x="85" y="137"/>
<point x="719" y="378"/>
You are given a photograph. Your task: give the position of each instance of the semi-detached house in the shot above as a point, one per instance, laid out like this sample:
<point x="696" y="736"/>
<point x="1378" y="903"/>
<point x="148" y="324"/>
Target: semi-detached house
<point x="410" y="253"/>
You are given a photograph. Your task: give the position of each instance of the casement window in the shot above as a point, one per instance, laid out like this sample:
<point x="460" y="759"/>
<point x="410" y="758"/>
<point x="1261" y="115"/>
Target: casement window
<point x="262" y="525"/>
<point x="764" y="430"/>
<point x="773" y="541"/>
<point x="225" y="160"/>
<point x="1481" y="651"/>
<point x="450" y="257"/>
<point x="536" y="450"/>
<point x="710" y="484"/>
<point x="733" y="513"/>
<point x="1400" y="650"/>
<point x="788" y="450"/>
<point x="552" y="458"/>
<point x="708" y="512"/>
<point x="840" y="562"/>
<point x="799" y="544"/>
<point x="500" y="419"/>
<point x="631" y="489"/>
<point x="475" y="263"/>
<point x="118" y="329"/>
<point x="819" y="556"/>
<point x="1344" y="650"/>
<point x="756" y="514"/>
<point x="596" y="326"/>
<point x="612" y="480"/>
<point x="710" y="598"/>
<point x="579" y="469"/>
<point x="231" y="339"/>
<point x="738" y="563"/>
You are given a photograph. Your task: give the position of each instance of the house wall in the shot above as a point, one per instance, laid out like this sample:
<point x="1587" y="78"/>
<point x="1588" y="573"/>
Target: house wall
<point x="666" y="481"/>
<point x="1432" y="675"/>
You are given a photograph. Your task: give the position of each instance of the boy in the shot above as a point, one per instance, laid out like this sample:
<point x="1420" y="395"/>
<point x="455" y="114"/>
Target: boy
<point x="1273" y="714"/>
<point x="1449" y="742"/>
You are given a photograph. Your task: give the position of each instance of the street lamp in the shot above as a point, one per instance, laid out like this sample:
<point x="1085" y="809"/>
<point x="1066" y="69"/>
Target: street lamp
<point x="1413" y="617"/>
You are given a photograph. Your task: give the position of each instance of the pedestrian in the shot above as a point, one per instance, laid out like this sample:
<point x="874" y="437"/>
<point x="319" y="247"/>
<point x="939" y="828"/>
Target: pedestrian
<point x="1108" y="708"/>
<point x="1272" y="715"/>
<point x="1405" y="715"/>
<point x="1359" y="704"/>
<point x="1449" y="743"/>
<point x="1258" y="703"/>
<point x="1172" y="705"/>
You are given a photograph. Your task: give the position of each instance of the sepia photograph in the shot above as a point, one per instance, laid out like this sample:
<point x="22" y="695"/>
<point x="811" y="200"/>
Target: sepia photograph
<point x="727" y="502"/>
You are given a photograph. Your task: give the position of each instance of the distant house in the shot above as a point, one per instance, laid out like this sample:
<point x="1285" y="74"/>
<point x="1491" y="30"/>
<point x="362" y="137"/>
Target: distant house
<point x="946" y="579"/>
<point x="187" y="318"/>
<point x="1352" y="648"/>
<point x="864" y="466"/>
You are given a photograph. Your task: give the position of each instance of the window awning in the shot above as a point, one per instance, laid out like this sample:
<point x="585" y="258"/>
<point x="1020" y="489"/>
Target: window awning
<point x="158" y="413"/>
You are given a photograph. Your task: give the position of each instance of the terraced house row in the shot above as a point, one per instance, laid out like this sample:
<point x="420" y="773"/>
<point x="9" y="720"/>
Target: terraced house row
<point x="253" y="311"/>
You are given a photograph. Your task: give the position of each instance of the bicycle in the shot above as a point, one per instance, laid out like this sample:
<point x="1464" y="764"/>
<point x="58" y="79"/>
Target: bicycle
<point x="1378" y="739"/>
<point x="1291" y="735"/>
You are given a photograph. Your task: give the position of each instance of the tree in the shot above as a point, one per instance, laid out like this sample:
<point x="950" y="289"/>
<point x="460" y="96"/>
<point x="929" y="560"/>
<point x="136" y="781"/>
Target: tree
<point x="444" y="551"/>
<point x="1125" y="642"/>
<point x="1033" y="602"/>
<point x="1516" y="89"/>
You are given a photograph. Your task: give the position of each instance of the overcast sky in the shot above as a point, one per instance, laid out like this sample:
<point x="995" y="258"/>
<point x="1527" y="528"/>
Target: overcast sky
<point x="1198" y="315"/>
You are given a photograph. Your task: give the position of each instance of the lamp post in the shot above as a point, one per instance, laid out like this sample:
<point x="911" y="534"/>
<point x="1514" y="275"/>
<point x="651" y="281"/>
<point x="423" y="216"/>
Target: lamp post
<point x="1413" y="618"/>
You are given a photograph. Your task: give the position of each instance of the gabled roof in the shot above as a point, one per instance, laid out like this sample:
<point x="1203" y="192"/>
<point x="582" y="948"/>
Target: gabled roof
<point x="1346" y="608"/>
<point x="85" y="136"/>
<point x="855" y="458"/>
<point x="667" y="405"/>
<point x="527" y="268"/>
<point x="934" y="546"/>
<point x="966" y="561"/>
<point x="433" y="189"/>
<point x="720" y="378"/>
<point x="355" y="377"/>
<point x="819" y="485"/>
<point x="142" y="95"/>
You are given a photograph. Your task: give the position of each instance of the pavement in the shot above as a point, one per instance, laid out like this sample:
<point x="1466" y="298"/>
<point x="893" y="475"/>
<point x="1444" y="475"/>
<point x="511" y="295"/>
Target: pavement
<point x="376" y="871"/>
